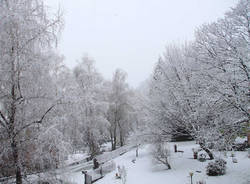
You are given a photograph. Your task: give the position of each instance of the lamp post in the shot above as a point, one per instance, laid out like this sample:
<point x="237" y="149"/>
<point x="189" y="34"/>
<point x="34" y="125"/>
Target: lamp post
<point x="191" y="176"/>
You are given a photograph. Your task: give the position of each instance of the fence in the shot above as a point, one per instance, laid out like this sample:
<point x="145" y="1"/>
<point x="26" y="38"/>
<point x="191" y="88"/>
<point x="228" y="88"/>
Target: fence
<point x="95" y="175"/>
<point x="107" y="156"/>
<point x="106" y="164"/>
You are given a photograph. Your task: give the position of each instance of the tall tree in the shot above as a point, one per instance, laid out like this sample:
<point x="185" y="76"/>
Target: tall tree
<point x="25" y="34"/>
<point x="91" y="105"/>
<point x="222" y="48"/>
<point x="179" y="102"/>
<point x="203" y="87"/>
<point x="118" y="114"/>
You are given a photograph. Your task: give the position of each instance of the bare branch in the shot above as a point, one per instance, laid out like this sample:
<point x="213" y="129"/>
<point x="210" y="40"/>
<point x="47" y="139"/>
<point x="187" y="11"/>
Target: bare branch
<point x="35" y="122"/>
<point x="2" y="116"/>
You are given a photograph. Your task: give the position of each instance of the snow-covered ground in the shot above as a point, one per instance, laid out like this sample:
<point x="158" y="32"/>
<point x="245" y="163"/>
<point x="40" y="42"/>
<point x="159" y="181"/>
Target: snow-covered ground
<point x="145" y="171"/>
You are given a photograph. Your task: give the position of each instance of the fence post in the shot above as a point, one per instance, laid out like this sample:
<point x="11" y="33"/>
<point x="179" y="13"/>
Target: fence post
<point x="136" y="151"/>
<point x="87" y="178"/>
<point x="101" y="171"/>
<point x="175" y="148"/>
<point x="248" y="137"/>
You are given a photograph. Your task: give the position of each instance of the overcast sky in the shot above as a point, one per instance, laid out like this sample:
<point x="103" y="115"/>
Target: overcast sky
<point x="130" y="34"/>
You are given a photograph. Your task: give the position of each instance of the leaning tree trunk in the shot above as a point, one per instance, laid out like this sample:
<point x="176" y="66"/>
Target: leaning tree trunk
<point x="210" y="154"/>
<point x="167" y="163"/>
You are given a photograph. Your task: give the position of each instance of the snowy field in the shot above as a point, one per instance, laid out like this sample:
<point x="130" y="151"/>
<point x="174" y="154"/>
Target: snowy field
<point x="145" y="171"/>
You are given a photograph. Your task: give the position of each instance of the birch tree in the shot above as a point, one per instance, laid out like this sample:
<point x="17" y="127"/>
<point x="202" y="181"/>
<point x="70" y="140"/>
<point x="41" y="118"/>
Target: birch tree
<point x="91" y="104"/>
<point x="25" y="34"/>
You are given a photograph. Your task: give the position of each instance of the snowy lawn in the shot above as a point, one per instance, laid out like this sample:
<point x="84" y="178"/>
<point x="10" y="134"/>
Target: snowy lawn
<point x="145" y="171"/>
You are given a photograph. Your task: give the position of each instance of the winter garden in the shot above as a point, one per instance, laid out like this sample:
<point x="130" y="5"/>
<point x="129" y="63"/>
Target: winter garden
<point x="187" y="123"/>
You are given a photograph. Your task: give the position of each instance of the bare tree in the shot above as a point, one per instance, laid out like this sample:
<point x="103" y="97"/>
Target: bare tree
<point x="161" y="154"/>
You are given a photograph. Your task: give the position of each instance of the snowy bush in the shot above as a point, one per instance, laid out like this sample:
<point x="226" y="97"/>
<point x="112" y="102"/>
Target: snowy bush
<point x="122" y="174"/>
<point x="240" y="146"/>
<point x="202" y="157"/>
<point x="216" y="168"/>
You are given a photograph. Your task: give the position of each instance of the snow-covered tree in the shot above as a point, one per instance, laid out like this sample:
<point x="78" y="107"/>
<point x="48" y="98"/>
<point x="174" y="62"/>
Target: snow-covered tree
<point x="91" y="105"/>
<point x="222" y="48"/>
<point x="161" y="153"/>
<point x="118" y="114"/>
<point x="180" y="104"/>
<point x="202" y="89"/>
<point x="26" y="95"/>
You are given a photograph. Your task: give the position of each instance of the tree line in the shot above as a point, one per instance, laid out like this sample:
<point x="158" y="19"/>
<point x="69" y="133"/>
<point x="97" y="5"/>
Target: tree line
<point x="201" y="89"/>
<point x="48" y="111"/>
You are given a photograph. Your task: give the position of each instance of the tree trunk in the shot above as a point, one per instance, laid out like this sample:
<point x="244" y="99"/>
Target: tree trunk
<point x="114" y="145"/>
<point x="114" y="131"/>
<point x="115" y="138"/>
<point x="14" y="146"/>
<point x="16" y="163"/>
<point x="210" y="154"/>
<point x="111" y="138"/>
<point x="121" y="135"/>
<point x="121" y="139"/>
<point x="168" y="165"/>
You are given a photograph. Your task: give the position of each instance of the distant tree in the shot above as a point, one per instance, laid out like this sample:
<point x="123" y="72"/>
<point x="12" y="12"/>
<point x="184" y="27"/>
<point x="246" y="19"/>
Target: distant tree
<point x="142" y="128"/>
<point x="118" y="114"/>
<point x="91" y="104"/>
<point x="67" y="113"/>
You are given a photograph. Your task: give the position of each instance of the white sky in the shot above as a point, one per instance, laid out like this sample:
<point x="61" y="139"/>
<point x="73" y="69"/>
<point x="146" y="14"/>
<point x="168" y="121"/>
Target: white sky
<point x="130" y="34"/>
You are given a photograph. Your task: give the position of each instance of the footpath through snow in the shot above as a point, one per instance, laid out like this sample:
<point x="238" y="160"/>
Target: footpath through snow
<point x="145" y="171"/>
